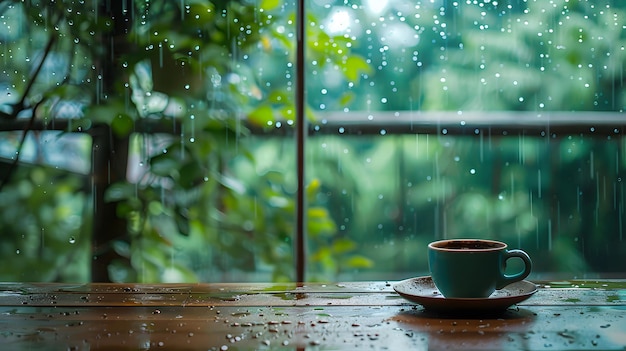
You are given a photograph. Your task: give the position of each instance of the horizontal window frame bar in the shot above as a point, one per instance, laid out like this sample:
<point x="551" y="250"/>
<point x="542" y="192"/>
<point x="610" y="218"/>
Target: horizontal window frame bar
<point x="393" y="122"/>
<point x="468" y="123"/>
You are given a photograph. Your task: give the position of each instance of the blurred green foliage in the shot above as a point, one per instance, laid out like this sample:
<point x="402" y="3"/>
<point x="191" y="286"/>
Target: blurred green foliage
<point x="208" y="201"/>
<point x="45" y="226"/>
<point x="190" y="65"/>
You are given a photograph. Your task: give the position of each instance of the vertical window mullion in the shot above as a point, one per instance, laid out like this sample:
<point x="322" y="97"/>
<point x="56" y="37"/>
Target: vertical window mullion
<point x="301" y="130"/>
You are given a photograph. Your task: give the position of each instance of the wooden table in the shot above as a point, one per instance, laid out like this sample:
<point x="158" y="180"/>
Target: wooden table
<point x="366" y="315"/>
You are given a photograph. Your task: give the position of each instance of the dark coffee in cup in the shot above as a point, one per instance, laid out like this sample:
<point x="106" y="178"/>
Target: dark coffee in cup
<point x="469" y="245"/>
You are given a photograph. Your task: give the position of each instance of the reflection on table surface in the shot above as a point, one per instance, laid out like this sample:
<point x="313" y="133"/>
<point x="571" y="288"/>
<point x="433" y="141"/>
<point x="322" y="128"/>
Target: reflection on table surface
<point x="566" y="315"/>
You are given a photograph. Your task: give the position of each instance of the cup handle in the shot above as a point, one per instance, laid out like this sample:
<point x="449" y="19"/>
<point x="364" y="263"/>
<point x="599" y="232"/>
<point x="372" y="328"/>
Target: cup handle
<point x="506" y="279"/>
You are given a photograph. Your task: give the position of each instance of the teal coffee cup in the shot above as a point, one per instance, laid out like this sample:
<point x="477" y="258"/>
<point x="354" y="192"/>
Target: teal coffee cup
<point x="473" y="268"/>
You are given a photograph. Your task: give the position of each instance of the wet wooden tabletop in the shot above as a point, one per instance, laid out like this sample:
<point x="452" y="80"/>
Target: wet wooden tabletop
<point x="575" y="315"/>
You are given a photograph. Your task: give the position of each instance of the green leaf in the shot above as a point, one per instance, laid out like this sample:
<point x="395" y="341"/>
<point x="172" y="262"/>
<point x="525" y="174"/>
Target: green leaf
<point x="122" y="125"/>
<point x="104" y="113"/>
<point x="120" y="271"/>
<point x="313" y="188"/>
<point x="320" y="222"/>
<point x="318" y="213"/>
<point x="182" y="221"/>
<point x="343" y="245"/>
<point x="279" y="97"/>
<point x="279" y="201"/>
<point x="164" y="164"/>
<point x="119" y="191"/>
<point x="191" y="174"/>
<point x="269" y="4"/>
<point x="358" y="261"/>
<point x="346" y="98"/>
<point x="262" y="116"/>
<point x="178" y="273"/>
<point x="127" y="208"/>
<point x="203" y="12"/>
<point x="122" y="248"/>
<point x="232" y="183"/>
<point x="354" y="66"/>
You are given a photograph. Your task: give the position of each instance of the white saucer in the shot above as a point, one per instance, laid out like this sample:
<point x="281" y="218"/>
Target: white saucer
<point x="422" y="290"/>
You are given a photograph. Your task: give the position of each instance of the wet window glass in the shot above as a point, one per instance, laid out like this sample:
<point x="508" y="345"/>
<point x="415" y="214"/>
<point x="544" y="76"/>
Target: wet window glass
<point x="155" y="141"/>
<point x="483" y="119"/>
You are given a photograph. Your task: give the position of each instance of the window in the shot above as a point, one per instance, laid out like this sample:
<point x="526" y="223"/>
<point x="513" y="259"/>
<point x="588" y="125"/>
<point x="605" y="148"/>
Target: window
<point x="427" y="119"/>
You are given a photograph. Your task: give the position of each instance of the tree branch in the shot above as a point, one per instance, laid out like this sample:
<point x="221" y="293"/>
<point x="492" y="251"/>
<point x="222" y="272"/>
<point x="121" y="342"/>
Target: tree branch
<point x="20" y="106"/>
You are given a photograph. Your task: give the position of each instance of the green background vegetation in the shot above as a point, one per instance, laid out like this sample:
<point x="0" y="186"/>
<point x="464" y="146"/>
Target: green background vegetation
<point x="208" y="200"/>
